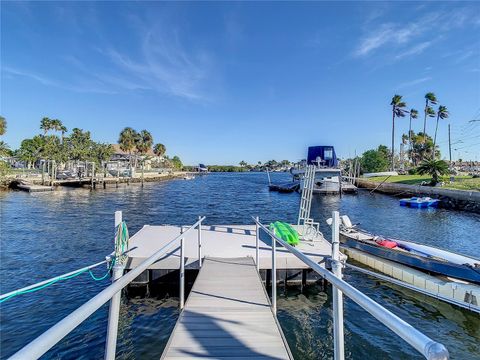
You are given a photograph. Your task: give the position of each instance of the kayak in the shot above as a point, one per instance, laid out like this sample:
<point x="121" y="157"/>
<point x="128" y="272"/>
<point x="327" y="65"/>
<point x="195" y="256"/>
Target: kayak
<point x="285" y="232"/>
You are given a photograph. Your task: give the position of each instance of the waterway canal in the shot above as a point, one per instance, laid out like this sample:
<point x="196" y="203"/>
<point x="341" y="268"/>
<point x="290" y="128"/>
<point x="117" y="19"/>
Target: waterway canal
<point x="46" y="234"/>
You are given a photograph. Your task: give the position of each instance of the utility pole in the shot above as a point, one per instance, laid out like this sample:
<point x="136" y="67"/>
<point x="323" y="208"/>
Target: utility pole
<point x="449" y="144"/>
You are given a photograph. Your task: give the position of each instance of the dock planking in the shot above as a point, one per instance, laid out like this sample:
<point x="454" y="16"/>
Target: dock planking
<point x="227" y="241"/>
<point x="227" y="315"/>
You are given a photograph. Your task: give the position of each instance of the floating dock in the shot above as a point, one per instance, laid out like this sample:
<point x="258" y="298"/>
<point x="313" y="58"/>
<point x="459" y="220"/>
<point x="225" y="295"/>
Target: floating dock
<point x="34" y="188"/>
<point x="227" y="241"/>
<point x="227" y="315"/>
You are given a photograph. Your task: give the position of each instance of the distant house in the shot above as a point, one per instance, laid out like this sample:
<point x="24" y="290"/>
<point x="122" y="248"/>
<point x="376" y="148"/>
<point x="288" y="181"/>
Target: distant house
<point x="120" y="155"/>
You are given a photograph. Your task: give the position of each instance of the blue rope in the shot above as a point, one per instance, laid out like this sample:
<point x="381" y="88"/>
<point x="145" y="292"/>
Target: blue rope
<point x="122" y="243"/>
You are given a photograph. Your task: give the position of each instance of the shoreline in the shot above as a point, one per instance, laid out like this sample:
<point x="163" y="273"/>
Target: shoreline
<point x="11" y="183"/>
<point x="464" y="200"/>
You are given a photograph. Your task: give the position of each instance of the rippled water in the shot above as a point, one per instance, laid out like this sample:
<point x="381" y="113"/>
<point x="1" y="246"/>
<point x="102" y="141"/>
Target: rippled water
<point x="46" y="234"/>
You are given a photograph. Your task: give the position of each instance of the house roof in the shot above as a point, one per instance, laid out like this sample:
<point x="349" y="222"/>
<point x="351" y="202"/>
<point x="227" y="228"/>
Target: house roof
<point x="118" y="151"/>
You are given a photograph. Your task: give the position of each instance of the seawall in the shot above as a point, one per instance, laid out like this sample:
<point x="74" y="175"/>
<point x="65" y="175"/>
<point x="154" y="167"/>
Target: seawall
<point x="450" y="199"/>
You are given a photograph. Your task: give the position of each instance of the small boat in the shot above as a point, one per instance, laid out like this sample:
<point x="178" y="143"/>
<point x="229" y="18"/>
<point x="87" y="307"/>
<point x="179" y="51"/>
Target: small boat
<point x="188" y="177"/>
<point x="421" y="257"/>
<point x="419" y="202"/>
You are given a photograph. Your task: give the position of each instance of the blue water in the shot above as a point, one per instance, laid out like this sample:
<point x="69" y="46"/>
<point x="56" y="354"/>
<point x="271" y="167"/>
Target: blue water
<point x="46" y="234"/>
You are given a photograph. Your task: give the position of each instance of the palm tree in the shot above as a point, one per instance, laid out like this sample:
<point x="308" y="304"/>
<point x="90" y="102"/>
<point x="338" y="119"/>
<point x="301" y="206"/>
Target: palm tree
<point x="63" y="130"/>
<point x="4" y="148"/>
<point x="159" y="149"/>
<point x="442" y="113"/>
<point x="46" y="124"/>
<point x="434" y="168"/>
<point x="398" y="110"/>
<point x="126" y="141"/>
<point x="413" y="115"/>
<point x="3" y="125"/>
<point x="143" y="142"/>
<point x="430" y="99"/>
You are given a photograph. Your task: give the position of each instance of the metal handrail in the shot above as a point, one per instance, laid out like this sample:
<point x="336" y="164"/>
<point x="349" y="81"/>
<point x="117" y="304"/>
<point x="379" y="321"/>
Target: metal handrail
<point x="52" y="336"/>
<point x="429" y="348"/>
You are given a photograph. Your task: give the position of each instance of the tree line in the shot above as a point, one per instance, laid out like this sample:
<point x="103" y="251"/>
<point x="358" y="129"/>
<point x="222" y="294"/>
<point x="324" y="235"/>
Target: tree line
<point x="56" y="143"/>
<point x="421" y="146"/>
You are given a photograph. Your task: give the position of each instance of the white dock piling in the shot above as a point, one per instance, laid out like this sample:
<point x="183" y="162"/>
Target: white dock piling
<point x="274" y="276"/>
<point x="257" y="237"/>
<point x="114" y="310"/>
<point x="339" y="351"/>
<point x="182" y="271"/>
<point x="200" y="242"/>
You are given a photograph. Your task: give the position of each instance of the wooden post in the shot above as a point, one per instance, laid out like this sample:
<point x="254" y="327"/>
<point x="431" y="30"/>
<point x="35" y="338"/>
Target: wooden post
<point x="93" y="175"/>
<point x="43" y="172"/>
<point x="143" y="170"/>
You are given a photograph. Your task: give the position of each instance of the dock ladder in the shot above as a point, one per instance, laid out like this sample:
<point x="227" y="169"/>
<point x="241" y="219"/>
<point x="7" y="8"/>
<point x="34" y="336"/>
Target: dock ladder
<point x="310" y="228"/>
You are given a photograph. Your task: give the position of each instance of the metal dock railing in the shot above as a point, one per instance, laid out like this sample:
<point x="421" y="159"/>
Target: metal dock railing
<point x="427" y="347"/>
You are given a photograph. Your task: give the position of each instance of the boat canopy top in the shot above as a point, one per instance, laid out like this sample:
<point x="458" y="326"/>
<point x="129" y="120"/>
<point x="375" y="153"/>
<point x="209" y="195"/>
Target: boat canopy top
<point x="322" y="155"/>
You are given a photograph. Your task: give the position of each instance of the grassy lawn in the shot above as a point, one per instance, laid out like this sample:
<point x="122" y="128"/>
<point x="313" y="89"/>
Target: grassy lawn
<point x="460" y="183"/>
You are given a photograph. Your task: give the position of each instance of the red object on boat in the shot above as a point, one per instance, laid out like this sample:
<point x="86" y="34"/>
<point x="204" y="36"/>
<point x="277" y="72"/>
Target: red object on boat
<point x="387" y="243"/>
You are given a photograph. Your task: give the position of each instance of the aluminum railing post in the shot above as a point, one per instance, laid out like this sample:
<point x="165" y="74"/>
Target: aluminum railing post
<point x="274" y="276"/>
<point x="114" y="309"/>
<point x="339" y="351"/>
<point x="182" y="271"/>
<point x="257" y="237"/>
<point x="199" y="242"/>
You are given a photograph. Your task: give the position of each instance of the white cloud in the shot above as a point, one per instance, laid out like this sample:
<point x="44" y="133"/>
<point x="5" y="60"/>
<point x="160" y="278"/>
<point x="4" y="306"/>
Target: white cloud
<point x="423" y="28"/>
<point x="415" y="50"/>
<point x="413" y="82"/>
<point x="163" y="65"/>
<point x="44" y="80"/>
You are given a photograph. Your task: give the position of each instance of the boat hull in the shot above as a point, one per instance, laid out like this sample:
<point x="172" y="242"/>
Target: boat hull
<point x="432" y="265"/>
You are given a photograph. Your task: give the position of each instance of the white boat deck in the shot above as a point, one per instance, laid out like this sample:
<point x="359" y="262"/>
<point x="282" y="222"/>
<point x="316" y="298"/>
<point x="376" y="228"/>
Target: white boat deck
<point x="226" y="241"/>
<point x="227" y="315"/>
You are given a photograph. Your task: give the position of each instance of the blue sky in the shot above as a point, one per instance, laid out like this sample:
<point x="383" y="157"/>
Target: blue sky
<point x="225" y="82"/>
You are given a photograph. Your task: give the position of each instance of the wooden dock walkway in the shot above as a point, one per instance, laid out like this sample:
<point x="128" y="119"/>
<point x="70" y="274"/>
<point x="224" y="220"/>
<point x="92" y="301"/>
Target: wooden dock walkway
<point x="227" y="315"/>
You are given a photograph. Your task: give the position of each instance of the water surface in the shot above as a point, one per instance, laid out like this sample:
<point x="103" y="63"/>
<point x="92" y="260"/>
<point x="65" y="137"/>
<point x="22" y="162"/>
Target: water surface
<point x="46" y="234"/>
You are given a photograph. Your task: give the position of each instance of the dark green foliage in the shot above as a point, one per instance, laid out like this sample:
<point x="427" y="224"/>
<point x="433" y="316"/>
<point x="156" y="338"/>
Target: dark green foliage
<point x="3" y="125"/>
<point x="434" y="168"/>
<point x="375" y="160"/>
<point x="177" y="163"/>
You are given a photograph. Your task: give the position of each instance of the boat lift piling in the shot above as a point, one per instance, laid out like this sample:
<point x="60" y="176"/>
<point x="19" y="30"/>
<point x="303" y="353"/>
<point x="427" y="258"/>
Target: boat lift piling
<point x="274" y="276"/>
<point x="257" y="236"/>
<point x="339" y="353"/>
<point x="114" y="309"/>
<point x="182" y="271"/>
<point x="199" y="242"/>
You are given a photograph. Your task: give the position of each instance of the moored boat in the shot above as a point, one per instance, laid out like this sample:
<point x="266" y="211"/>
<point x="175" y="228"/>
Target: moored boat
<point x="419" y="256"/>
